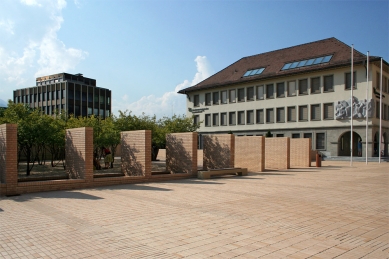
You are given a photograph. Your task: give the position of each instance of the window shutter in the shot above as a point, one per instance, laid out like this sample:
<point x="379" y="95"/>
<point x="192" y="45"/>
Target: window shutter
<point x="260" y="92"/>
<point x="291" y="113"/>
<point x="291" y="88"/>
<point x="303" y="113"/>
<point x="315" y="85"/>
<point x="328" y="111"/>
<point x="328" y="83"/>
<point x="303" y="86"/>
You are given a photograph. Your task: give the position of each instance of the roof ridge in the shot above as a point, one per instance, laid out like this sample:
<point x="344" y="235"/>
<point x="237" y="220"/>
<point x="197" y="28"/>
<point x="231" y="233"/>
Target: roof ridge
<point x="293" y="47"/>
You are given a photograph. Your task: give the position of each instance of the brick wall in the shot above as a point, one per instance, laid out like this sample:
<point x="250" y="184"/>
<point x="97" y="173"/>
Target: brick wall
<point x="300" y="152"/>
<point x="250" y="153"/>
<point x="181" y="153"/>
<point x="136" y="152"/>
<point x="218" y="151"/>
<point x="8" y="158"/>
<point x="277" y="153"/>
<point x="79" y="153"/>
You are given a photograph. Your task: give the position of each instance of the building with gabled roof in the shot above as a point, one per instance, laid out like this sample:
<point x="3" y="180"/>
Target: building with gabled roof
<point x="300" y="91"/>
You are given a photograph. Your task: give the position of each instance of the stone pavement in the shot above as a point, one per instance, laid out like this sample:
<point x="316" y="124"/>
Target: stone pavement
<point x="329" y="212"/>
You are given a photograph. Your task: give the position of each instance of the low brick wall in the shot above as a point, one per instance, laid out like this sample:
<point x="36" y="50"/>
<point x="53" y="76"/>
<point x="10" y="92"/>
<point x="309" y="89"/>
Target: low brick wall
<point x="218" y="151"/>
<point x="300" y="152"/>
<point x="136" y="152"/>
<point x="8" y="158"/>
<point x="181" y="153"/>
<point x="277" y="152"/>
<point x="79" y="153"/>
<point x="250" y="153"/>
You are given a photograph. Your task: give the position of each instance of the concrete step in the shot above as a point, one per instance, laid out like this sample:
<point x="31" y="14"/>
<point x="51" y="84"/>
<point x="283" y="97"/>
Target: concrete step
<point x="356" y="159"/>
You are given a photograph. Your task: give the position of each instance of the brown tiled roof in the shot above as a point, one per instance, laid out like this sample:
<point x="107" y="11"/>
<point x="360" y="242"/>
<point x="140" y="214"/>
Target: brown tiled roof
<point x="273" y="61"/>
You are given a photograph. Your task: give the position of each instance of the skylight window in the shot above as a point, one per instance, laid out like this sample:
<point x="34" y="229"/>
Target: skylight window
<point x="253" y="72"/>
<point x="307" y="62"/>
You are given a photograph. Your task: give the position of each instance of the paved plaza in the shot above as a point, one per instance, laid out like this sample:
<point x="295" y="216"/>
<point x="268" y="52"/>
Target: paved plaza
<point x="330" y="212"/>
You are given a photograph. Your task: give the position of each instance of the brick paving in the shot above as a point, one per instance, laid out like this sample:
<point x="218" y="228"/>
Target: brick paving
<point x="329" y="212"/>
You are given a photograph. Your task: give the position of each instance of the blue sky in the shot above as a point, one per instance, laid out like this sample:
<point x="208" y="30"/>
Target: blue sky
<point x="145" y="51"/>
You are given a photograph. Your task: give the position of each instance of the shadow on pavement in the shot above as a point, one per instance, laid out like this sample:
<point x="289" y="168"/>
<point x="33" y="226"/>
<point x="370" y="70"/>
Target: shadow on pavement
<point x="135" y="187"/>
<point x="56" y="195"/>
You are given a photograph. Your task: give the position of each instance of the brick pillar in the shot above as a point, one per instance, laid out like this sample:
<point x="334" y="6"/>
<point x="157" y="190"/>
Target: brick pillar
<point x="300" y="152"/>
<point x="181" y="153"/>
<point x="136" y="152"/>
<point x="79" y="153"/>
<point x="218" y="151"/>
<point x="277" y="152"/>
<point x="8" y="157"/>
<point x="250" y="153"/>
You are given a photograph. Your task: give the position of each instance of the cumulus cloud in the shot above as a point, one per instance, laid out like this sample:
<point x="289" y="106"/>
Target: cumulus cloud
<point x="170" y="102"/>
<point x="46" y="54"/>
<point x="13" y="66"/>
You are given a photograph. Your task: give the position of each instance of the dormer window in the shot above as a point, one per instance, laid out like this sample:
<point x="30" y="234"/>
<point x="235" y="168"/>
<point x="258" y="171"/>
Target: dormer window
<point x="254" y="72"/>
<point x="307" y="62"/>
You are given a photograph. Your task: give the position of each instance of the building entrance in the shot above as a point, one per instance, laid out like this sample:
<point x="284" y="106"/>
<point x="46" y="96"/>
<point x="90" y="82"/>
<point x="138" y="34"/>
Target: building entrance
<point x="344" y="144"/>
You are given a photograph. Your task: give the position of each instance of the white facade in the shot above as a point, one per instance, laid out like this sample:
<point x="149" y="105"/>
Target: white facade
<point x="321" y="124"/>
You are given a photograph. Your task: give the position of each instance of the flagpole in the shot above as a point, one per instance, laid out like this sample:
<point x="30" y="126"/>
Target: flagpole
<point x="379" y="139"/>
<point x="366" y="105"/>
<point x="351" y="115"/>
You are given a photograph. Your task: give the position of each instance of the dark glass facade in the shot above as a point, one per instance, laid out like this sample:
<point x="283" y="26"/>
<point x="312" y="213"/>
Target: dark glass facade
<point x="75" y="94"/>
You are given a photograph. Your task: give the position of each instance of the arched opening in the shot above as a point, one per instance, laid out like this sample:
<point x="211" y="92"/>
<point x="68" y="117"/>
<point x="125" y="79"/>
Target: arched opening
<point x="345" y="141"/>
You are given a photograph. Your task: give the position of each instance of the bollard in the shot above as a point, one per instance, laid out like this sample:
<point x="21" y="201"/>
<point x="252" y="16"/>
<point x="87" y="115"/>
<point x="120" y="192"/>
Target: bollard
<point x="318" y="159"/>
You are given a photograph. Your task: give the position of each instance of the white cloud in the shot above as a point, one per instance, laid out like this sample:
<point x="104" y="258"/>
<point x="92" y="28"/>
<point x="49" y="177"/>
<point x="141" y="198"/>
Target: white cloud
<point x="47" y="54"/>
<point x="13" y="66"/>
<point x="8" y="26"/>
<point x="170" y="102"/>
<point x="31" y="2"/>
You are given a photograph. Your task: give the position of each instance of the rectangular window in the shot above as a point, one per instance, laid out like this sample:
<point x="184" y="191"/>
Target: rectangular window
<point x="269" y="91"/>
<point x="292" y="114"/>
<point x="315" y="112"/>
<point x="215" y="98"/>
<point x="241" y="117"/>
<point x="347" y="80"/>
<point x="292" y="88"/>
<point x="48" y="96"/>
<point x="270" y="115"/>
<point x="315" y="85"/>
<point x="232" y="118"/>
<point x="250" y="93"/>
<point x="260" y="92"/>
<point x="260" y="117"/>
<point x="384" y="112"/>
<point x="208" y="99"/>
<point x="280" y="90"/>
<point x="378" y="80"/>
<point x="303" y="86"/>
<point x="207" y="120"/>
<point x="232" y="96"/>
<point x="320" y="141"/>
<point x="328" y="83"/>
<point x="281" y="114"/>
<point x="196" y="119"/>
<point x="223" y="119"/>
<point x="295" y="135"/>
<point x="196" y="100"/>
<point x="279" y="135"/>
<point x="303" y="113"/>
<point x="250" y="117"/>
<point x="241" y="95"/>
<point x="215" y="119"/>
<point x="90" y="111"/>
<point x="224" y="97"/>
<point x="63" y="94"/>
<point x="328" y="111"/>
